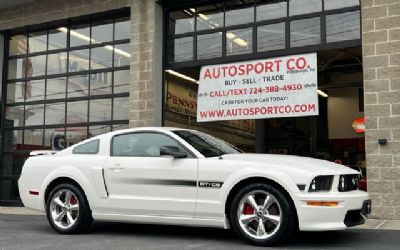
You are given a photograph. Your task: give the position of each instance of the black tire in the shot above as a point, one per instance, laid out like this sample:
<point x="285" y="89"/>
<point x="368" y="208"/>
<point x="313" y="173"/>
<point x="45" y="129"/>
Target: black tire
<point x="288" y="219"/>
<point x="83" y="219"/>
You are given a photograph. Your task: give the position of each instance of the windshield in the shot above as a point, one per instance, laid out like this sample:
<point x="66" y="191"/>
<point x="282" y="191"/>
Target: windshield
<point x="207" y="145"/>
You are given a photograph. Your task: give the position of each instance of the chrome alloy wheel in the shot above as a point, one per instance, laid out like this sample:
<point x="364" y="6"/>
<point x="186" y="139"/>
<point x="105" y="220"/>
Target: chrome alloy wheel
<point x="259" y="214"/>
<point x="64" y="209"/>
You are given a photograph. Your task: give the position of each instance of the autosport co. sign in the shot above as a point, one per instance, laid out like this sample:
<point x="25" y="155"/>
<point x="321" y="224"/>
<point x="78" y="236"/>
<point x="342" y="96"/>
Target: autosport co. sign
<point x="278" y="87"/>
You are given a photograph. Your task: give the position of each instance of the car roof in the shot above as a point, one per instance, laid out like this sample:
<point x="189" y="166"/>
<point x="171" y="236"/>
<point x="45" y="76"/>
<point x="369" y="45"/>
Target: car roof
<point x="156" y="129"/>
<point x="123" y="131"/>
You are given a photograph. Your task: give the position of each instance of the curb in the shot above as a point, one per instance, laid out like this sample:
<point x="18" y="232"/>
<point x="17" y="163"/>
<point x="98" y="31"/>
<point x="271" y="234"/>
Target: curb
<point x="19" y="211"/>
<point x="375" y="224"/>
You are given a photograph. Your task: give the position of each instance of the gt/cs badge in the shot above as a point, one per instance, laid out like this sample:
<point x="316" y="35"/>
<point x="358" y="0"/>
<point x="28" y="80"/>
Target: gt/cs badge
<point x="210" y="184"/>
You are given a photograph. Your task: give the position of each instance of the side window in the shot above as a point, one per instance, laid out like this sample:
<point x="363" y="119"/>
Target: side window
<point x="91" y="147"/>
<point x="141" y="144"/>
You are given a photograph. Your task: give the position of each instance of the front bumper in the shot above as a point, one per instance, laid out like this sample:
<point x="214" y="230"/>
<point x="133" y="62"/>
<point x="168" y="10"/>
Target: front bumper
<point x="357" y="217"/>
<point x="319" y="218"/>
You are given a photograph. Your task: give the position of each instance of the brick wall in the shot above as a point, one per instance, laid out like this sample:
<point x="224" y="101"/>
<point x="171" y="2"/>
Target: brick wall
<point x="142" y="79"/>
<point x="381" y="60"/>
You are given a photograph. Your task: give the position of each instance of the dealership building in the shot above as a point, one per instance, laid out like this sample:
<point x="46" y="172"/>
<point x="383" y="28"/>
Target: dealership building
<point x="73" y="69"/>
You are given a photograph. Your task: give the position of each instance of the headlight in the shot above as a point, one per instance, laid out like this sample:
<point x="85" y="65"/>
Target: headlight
<point x="321" y="183"/>
<point x="348" y="182"/>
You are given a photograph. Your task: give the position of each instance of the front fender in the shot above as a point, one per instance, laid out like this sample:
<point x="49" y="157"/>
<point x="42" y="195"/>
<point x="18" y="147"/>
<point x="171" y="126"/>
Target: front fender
<point x="245" y="173"/>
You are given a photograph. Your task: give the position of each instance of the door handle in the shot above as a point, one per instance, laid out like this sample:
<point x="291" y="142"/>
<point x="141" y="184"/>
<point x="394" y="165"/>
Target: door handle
<point x="116" y="167"/>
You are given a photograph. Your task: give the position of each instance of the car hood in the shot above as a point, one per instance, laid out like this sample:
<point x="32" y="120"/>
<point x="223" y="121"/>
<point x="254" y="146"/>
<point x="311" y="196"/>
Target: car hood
<point x="287" y="162"/>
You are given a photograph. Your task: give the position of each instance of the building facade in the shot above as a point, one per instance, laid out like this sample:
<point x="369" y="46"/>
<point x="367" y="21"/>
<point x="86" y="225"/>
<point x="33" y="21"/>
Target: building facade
<point x="381" y="40"/>
<point x="74" y="69"/>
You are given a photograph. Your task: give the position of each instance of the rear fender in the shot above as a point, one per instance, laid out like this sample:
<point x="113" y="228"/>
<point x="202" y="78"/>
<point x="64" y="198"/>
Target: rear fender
<point x="71" y="173"/>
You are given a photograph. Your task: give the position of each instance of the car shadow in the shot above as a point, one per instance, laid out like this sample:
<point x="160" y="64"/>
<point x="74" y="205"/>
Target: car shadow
<point x="299" y="239"/>
<point x="37" y="226"/>
<point x="152" y="230"/>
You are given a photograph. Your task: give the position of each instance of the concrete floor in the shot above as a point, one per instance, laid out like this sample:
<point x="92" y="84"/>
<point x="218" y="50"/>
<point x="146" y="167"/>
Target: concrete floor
<point x="26" y="232"/>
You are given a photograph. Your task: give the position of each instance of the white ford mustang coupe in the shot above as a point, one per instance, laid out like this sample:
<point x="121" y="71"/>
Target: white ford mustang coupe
<point x="186" y="177"/>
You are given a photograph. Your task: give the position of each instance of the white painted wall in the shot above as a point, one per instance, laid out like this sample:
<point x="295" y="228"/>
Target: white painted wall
<point x="342" y="110"/>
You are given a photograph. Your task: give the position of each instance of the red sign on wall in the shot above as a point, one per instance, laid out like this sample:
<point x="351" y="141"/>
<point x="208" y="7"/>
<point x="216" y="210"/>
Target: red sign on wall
<point x="359" y="125"/>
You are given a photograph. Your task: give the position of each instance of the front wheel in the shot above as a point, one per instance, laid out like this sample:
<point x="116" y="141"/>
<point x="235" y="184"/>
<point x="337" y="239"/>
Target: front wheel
<point x="262" y="215"/>
<point x="67" y="209"/>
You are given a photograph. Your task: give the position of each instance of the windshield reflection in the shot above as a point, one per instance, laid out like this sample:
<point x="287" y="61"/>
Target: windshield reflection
<point x="207" y="145"/>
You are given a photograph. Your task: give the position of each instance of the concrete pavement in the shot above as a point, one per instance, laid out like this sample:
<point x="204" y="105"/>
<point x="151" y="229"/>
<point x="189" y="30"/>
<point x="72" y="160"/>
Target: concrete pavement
<point x="381" y="224"/>
<point x="32" y="232"/>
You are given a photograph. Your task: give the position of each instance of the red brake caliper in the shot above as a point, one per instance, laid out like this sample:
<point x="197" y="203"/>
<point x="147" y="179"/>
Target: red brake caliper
<point x="248" y="210"/>
<point x="73" y="200"/>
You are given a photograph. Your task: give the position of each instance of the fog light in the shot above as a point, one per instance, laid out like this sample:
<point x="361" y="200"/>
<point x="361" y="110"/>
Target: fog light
<point x="323" y="203"/>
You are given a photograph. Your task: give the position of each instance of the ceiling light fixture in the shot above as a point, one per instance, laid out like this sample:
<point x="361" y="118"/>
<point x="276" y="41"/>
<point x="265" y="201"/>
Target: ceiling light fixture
<point x="322" y="93"/>
<point x="230" y="35"/>
<point x="76" y="34"/>
<point x="87" y="39"/>
<point x="212" y="25"/>
<point x="240" y="42"/>
<point x="118" y="51"/>
<point x="188" y="12"/>
<point x="177" y="74"/>
<point x="204" y="17"/>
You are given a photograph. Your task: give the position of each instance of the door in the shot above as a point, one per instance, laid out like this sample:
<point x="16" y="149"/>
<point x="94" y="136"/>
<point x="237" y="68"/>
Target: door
<point x="142" y="182"/>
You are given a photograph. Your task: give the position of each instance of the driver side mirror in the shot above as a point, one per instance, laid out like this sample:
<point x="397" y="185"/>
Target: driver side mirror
<point x="172" y="151"/>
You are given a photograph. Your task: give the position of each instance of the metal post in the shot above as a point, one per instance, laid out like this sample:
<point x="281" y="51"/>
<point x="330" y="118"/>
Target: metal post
<point x="260" y="136"/>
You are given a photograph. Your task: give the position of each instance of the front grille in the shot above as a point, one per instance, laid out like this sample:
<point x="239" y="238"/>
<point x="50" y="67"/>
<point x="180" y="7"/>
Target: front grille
<point x="348" y="182"/>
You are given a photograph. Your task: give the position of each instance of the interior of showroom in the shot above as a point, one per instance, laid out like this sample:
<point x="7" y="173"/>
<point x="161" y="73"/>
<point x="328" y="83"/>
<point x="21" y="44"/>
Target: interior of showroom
<point x="240" y="31"/>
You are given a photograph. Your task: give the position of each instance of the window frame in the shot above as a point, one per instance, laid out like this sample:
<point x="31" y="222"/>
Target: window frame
<point x="287" y="50"/>
<point x="190" y="153"/>
<point x="115" y="16"/>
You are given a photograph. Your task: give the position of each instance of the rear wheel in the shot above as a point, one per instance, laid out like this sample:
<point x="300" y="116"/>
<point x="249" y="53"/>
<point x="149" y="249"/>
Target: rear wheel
<point x="67" y="209"/>
<point x="262" y="215"/>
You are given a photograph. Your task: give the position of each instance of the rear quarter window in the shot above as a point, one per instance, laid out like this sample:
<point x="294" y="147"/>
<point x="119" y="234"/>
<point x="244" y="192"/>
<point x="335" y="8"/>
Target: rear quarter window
<point x="91" y="147"/>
